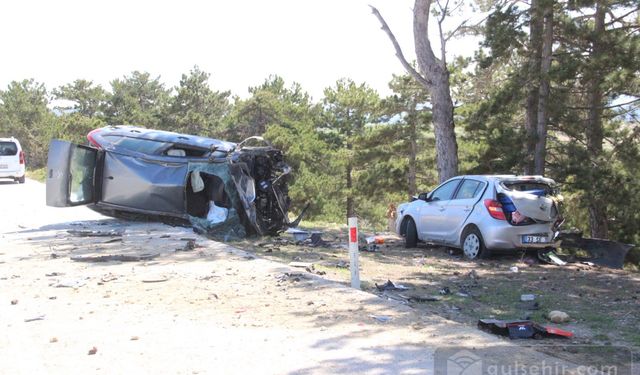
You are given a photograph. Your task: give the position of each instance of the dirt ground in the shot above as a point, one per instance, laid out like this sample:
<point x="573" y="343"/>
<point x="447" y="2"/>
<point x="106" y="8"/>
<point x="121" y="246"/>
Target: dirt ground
<point x="603" y="304"/>
<point x="81" y="293"/>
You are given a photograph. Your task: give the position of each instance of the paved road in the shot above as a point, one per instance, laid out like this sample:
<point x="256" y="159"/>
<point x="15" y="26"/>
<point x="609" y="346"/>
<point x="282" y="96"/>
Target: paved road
<point x="215" y="309"/>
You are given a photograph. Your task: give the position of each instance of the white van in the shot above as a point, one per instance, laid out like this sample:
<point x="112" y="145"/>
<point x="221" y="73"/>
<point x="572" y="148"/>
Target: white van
<point x="12" y="164"/>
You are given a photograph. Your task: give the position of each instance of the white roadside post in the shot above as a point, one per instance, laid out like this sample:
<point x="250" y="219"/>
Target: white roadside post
<point x="354" y="263"/>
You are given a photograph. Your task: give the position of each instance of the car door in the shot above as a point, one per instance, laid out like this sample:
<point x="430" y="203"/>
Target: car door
<point x="71" y="171"/>
<point x="151" y="184"/>
<point x="431" y="219"/>
<point x="459" y="208"/>
<point x="130" y="181"/>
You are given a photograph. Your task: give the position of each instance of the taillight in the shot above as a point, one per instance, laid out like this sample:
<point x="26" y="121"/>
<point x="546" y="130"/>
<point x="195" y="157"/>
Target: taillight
<point x="93" y="141"/>
<point x="21" y="157"/>
<point x="495" y="209"/>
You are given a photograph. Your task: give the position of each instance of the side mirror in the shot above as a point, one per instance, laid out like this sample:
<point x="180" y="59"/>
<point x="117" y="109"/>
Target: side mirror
<point x="424" y="197"/>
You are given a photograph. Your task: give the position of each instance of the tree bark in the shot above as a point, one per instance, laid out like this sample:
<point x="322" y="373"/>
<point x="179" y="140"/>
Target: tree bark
<point x="413" y="151"/>
<point x="597" y="205"/>
<point x="436" y="72"/>
<point x="543" y="93"/>
<point x="533" y="93"/>
<point x="434" y="76"/>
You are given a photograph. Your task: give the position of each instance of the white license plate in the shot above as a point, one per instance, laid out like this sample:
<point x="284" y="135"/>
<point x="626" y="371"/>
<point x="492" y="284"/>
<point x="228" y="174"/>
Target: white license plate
<point x="4" y="166"/>
<point x="535" y="239"/>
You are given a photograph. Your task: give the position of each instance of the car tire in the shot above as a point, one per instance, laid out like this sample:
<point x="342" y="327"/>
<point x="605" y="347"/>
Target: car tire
<point x="411" y="235"/>
<point x="472" y="244"/>
<point x="21" y="180"/>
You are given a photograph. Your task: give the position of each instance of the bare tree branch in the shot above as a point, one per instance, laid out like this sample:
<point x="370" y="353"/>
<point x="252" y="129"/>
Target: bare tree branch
<point x="398" y="49"/>
<point x="620" y="19"/>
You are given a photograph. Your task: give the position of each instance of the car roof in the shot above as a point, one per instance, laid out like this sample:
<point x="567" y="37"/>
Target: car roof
<point x="510" y="177"/>
<point x="165" y="136"/>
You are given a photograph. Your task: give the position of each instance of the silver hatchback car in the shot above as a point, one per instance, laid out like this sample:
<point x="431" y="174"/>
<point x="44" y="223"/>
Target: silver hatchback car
<point x="482" y="213"/>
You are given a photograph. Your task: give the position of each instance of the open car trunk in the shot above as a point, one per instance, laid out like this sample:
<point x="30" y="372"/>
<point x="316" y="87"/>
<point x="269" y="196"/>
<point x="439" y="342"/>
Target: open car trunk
<point x="529" y="200"/>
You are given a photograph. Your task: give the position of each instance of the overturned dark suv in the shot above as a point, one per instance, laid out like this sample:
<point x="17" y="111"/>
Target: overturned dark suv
<point x="219" y="187"/>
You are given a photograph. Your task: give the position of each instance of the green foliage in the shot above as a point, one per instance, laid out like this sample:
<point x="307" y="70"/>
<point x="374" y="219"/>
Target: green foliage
<point x="89" y="100"/>
<point x="24" y="115"/>
<point x="196" y="109"/>
<point x="137" y="99"/>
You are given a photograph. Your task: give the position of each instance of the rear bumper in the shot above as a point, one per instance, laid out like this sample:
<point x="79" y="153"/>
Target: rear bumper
<point x="502" y="235"/>
<point x="5" y="173"/>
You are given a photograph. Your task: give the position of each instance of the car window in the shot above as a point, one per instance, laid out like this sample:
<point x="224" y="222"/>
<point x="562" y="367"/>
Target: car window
<point x="145" y="146"/>
<point x="81" y="172"/>
<point x="8" y="149"/>
<point x="445" y="191"/>
<point x="469" y="189"/>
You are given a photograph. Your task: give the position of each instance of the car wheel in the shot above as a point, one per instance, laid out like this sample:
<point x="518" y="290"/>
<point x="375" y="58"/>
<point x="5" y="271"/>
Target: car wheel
<point x="21" y="180"/>
<point x="473" y="244"/>
<point x="411" y="235"/>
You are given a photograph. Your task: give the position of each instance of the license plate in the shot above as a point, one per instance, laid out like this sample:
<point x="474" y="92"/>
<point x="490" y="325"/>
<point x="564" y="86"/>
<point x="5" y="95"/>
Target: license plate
<point x="4" y="166"/>
<point x="535" y="239"/>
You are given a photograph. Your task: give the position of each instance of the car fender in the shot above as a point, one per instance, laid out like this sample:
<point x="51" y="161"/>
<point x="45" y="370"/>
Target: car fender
<point x="406" y="211"/>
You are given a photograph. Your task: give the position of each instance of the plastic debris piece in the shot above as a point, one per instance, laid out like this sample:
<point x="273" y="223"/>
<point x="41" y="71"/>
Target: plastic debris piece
<point x="527" y="297"/>
<point x="381" y="318"/>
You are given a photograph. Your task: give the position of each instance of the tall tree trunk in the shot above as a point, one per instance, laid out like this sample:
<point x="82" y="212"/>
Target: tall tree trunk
<point x="597" y="204"/>
<point x="434" y="76"/>
<point x="437" y="75"/>
<point x="536" y="25"/>
<point x="413" y="151"/>
<point x="543" y="93"/>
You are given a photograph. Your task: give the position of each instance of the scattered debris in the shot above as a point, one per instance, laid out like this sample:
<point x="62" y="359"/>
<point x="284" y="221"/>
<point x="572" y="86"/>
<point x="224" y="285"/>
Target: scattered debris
<point x="94" y="233"/>
<point x="391" y="286"/>
<point x="115" y="257"/>
<point x="106" y="278"/>
<point x="549" y="256"/>
<point x="463" y="294"/>
<point x="301" y="264"/>
<point x="529" y="305"/>
<point x="445" y="291"/>
<point x="51" y="274"/>
<point x="527" y="297"/>
<point x="14" y="301"/>
<point x="558" y="316"/>
<point x="381" y="318"/>
<point x="116" y="239"/>
<point x="93" y="351"/>
<point x="520" y="329"/>
<point x="189" y="246"/>
<point x="602" y="252"/>
<point x="421" y="298"/>
<point x="70" y="283"/>
<point x="53" y="339"/>
<point x="513" y="269"/>
<point x="39" y="317"/>
<point x="165" y="236"/>
<point x="155" y="279"/>
<point x="473" y="275"/>
<point x="134" y="338"/>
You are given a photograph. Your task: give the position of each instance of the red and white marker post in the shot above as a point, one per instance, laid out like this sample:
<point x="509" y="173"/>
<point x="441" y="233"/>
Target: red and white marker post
<point x="354" y="263"/>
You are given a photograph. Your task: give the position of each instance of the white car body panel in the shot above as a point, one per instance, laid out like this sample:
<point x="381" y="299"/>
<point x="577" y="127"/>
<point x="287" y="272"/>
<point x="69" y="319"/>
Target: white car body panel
<point x="450" y="218"/>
